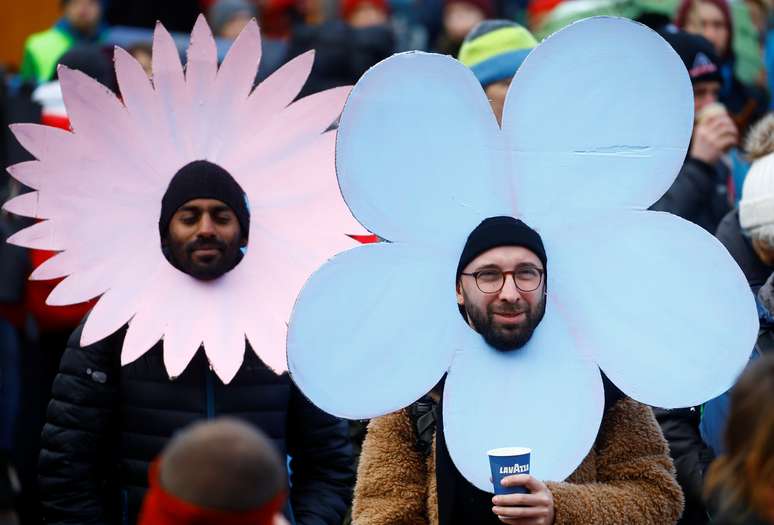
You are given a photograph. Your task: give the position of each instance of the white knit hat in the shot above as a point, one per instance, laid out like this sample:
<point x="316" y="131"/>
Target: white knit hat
<point x="756" y="209"/>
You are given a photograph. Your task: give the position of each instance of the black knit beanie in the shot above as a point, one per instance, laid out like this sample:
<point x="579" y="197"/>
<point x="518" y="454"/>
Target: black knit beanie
<point x="500" y="231"/>
<point x="202" y="179"/>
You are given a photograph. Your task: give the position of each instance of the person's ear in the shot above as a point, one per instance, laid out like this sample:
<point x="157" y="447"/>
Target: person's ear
<point x="460" y="296"/>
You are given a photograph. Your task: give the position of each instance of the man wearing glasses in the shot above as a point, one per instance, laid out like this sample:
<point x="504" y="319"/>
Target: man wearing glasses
<point x="500" y="282"/>
<point x="406" y="474"/>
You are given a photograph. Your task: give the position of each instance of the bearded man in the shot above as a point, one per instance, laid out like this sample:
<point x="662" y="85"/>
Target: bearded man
<point x="406" y="474"/>
<point x="106" y="423"/>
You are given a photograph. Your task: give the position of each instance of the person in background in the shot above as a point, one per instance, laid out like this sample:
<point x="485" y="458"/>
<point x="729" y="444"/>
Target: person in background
<point x="215" y="472"/>
<point x="741" y="481"/>
<point x="228" y="17"/>
<point x="459" y="17"/>
<point x="712" y="20"/>
<point x="700" y="191"/>
<point x="494" y="50"/>
<point x="748" y="232"/>
<point x="344" y="48"/>
<point x="81" y="22"/>
<point x="365" y="13"/>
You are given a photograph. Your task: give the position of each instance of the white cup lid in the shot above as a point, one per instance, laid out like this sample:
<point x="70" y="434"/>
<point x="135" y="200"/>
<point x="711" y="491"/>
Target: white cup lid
<point x="509" y="451"/>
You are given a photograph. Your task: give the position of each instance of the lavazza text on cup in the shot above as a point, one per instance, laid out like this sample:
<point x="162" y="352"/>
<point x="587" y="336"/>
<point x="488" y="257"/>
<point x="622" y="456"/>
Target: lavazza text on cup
<point x="508" y="461"/>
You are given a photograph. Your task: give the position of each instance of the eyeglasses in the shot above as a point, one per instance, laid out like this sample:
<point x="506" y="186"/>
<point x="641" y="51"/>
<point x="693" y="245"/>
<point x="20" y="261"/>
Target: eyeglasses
<point x="491" y="280"/>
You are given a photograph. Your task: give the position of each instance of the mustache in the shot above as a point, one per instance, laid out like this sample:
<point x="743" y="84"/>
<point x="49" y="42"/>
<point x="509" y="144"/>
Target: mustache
<point x="206" y="244"/>
<point x="510" y="309"/>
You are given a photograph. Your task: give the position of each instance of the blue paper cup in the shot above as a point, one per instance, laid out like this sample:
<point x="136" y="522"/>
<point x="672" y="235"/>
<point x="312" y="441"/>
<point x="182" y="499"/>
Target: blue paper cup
<point x="508" y="461"/>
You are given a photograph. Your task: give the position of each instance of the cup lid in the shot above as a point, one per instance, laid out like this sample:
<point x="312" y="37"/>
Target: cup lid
<point x="509" y="451"/>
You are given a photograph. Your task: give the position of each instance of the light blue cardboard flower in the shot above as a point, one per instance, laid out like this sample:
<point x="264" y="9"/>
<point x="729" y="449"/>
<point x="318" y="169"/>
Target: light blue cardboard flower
<point x="595" y="129"/>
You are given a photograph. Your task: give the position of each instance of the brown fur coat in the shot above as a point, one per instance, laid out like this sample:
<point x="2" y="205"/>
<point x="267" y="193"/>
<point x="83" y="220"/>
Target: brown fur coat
<point x="626" y="479"/>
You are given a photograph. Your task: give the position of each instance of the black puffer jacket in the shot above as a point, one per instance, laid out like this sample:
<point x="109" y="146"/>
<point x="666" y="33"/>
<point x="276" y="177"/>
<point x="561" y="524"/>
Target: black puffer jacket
<point x="105" y="423"/>
<point x="699" y="194"/>
<point x="691" y="456"/>
<point x="730" y="234"/>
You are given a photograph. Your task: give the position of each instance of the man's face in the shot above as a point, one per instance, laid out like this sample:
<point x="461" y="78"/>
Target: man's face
<point x="84" y="15"/>
<point x="204" y="239"/>
<point x="496" y="92"/>
<point x="505" y="319"/>
<point x="707" y="20"/>
<point x="704" y="94"/>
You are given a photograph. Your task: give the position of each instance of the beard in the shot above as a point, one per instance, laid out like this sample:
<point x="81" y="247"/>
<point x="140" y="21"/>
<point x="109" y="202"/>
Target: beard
<point x="208" y="268"/>
<point x="510" y="336"/>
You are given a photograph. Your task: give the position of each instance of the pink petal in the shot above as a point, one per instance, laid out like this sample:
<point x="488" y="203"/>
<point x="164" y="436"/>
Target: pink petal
<point x="90" y="105"/>
<point x="119" y="303"/>
<point x="237" y="72"/>
<point x="59" y="265"/>
<point x="180" y="345"/>
<point x="30" y="173"/>
<point x="200" y="74"/>
<point x="25" y="205"/>
<point x="40" y="236"/>
<point x="170" y="88"/>
<point x="79" y="287"/>
<point x="134" y="84"/>
<point x="280" y="89"/>
<point x="225" y="349"/>
<point x="147" y="326"/>
<point x="290" y="132"/>
<point x="267" y="337"/>
<point x="44" y="142"/>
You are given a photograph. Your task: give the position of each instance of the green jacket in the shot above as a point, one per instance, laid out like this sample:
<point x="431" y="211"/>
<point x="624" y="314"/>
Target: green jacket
<point x="42" y="52"/>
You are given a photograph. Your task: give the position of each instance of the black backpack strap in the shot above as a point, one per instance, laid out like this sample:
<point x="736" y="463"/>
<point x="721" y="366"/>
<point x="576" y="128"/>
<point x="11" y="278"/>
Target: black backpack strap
<point x="424" y="416"/>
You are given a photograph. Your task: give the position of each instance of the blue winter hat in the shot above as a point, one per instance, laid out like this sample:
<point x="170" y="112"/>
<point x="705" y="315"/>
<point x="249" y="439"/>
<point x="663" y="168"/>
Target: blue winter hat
<point x="495" y="49"/>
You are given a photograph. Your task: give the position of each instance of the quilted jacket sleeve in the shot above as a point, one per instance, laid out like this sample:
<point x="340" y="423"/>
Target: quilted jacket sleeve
<point x="75" y="442"/>
<point x="636" y="481"/>
<point x="322" y="466"/>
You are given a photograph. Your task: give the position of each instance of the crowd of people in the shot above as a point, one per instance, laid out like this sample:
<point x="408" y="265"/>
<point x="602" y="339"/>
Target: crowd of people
<point x="81" y="437"/>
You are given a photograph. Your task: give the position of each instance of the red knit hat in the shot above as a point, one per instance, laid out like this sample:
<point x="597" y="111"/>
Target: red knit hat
<point x="162" y="508"/>
<point x="348" y="7"/>
<point x="681" y="18"/>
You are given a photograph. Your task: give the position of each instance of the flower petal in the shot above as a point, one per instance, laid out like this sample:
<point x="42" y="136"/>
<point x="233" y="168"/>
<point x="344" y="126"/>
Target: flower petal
<point x="419" y="154"/>
<point x="236" y="76"/>
<point x="282" y="87"/>
<point x="617" y="126"/>
<point x="44" y="235"/>
<point x="171" y="91"/>
<point x="494" y="399"/>
<point x="659" y="302"/>
<point x="31" y="173"/>
<point x="45" y="142"/>
<point x="200" y="71"/>
<point x="370" y="332"/>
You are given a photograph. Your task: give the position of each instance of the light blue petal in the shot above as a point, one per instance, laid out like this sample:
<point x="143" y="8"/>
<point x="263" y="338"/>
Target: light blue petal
<point x="372" y="330"/>
<point x="599" y="116"/>
<point x="419" y="154"/>
<point x="546" y="396"/>
<point x="659" y="302"/>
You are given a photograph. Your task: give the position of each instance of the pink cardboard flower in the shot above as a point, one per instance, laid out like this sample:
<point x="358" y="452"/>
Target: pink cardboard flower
<point x="99" y="189"/>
